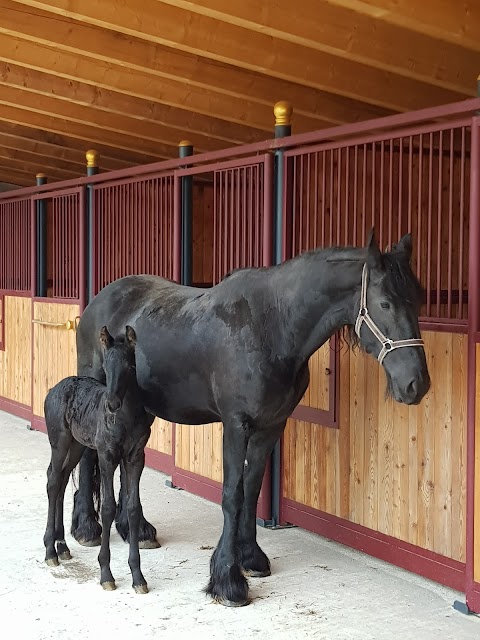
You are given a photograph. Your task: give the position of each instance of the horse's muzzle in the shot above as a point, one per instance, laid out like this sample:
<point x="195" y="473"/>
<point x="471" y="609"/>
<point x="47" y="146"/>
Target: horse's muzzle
<point x="113" y="403"/>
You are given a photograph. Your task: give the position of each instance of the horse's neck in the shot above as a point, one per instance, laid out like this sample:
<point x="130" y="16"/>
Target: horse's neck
<point x="323" y="291"/>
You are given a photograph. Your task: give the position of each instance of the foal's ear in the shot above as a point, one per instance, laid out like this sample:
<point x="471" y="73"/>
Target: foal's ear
<point x="131" y="335"/>
<point x="374" y="255"/>
<point x="404" y="245"/>
<point x="106" y="339"/>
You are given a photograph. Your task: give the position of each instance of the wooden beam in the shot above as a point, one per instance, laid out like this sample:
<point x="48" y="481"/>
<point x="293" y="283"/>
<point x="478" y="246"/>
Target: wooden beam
<point x="110" y="157"/>
<point x="38" y="164"/>
<point x="449" y="20"/>
<point x="184" y="124"/>
<point x="17" y="177"/>
<point x="203" y="36"/>
<point x="91" y="135"/>
<point x="355" y="36"/>
<point x="143" y="69"/>
<point x="9" y="162"/>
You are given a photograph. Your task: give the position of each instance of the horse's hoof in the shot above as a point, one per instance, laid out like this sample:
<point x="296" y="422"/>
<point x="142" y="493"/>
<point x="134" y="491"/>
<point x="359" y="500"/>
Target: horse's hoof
<point x="65" y="555"/>
<point x="251" y="573"/>
<point x="148" y="544"/>
<point x="52" y="562"/>
<point x="90" y="543"/>
<point x="140" y="588"/>
<point x="109" y="586"/>
<point x="231" y="603"/>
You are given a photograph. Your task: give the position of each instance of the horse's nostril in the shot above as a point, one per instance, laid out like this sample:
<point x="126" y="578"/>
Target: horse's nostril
<point x="412" y="388"/>
<point x="113" y="404"/>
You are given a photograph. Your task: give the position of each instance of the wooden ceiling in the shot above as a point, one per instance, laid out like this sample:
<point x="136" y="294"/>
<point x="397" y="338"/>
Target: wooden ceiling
<point x="133" y="78"/>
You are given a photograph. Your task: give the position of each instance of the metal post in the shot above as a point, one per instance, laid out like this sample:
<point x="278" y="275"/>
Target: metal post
<point x="185" y="149"/>
<point x="92" y="157"/>
<point x="41" y="240"/>
<point x="283" y="128"/>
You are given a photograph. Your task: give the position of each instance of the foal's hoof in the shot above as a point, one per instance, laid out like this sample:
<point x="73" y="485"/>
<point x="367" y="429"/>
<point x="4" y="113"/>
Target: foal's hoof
<point x="52" y="562"/>
<point x="231" y="603"/>
<point x="90" y="543"/>
<point x="140" y="588"/>
<point x="109" y="586"/>
<point x="65" y="555"/>
<point x="148" y="544"/>
<point x="252" y="573"/>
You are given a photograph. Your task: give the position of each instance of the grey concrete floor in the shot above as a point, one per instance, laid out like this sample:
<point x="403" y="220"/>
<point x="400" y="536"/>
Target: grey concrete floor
<point x="318" y="589"/>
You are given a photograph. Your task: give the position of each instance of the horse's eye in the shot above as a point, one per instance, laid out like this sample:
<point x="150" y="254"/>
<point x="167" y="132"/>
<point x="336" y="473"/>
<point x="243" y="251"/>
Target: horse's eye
<point x="385" y="305"/>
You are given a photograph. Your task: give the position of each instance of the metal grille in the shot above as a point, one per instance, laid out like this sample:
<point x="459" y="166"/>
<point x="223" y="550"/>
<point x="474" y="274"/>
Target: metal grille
<point x="15" y="230"/>
<point x="133" y="229"/>
<point x="415" y="183"/>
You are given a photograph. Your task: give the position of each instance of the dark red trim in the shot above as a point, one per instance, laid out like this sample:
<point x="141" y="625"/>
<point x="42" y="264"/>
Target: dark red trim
<point x="159" y="461"/>
<point x="38" y="423"/>
<point x="11" y="293"/>
<point x="57" y="300"/>
<point x="402" y="554"/>
<point x="444" y="326"/>
<point x="473" y="597"/>
<point x="16" y="408"/>
<point x="316" y="416"/>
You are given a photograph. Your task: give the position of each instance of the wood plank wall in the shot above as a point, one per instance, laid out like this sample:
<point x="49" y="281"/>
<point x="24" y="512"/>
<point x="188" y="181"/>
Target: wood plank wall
<point x="405" y="467"/>
<point x="16" y="358"/>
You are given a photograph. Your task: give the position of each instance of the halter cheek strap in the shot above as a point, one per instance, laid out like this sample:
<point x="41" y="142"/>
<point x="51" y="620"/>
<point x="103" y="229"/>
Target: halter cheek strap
<point x="364" y="317"/>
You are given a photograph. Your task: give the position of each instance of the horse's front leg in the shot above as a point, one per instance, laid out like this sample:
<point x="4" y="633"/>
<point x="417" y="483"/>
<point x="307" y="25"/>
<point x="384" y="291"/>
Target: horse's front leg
<point x="107" y="469"/>
<point x="133" y="469"/>
<point x="255" y="562"/>
<point x="227" y="583"/>
<point x="85" y="527"/>
<point x="147" y="532"/>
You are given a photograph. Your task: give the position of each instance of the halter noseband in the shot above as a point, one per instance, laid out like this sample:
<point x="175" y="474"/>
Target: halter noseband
<point x="363" y="316"/>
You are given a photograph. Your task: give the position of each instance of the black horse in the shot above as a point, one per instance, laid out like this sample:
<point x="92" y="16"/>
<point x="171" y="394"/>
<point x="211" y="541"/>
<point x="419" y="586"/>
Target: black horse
<point x="238" y="353"/>
<point x="82" y="412"/>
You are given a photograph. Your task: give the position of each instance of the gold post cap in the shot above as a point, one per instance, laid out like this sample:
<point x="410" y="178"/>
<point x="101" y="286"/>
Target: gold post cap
<point x="41" y="175"/>
<point x="185" y="143"/>
<point x="92" y="158"/>
<point x="283" y="113"/>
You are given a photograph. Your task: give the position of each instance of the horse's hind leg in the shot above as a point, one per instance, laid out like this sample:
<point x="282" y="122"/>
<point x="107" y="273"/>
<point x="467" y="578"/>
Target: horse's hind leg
<point x="85" y="527"/>
<point x="227" y="584"/>
<point x="75" y="453"/>
<point x="254" y="561"/>
<point x="133" y="471"/>
<point x="107" y="469"/>
<point x="147" y="532"/>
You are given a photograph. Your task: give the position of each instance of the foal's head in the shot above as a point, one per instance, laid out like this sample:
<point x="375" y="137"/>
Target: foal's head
<point x="392" y="297"/>
<point x="118" y="364"/>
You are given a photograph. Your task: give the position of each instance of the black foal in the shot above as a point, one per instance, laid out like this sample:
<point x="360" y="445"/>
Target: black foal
<point x="81" y="412"/>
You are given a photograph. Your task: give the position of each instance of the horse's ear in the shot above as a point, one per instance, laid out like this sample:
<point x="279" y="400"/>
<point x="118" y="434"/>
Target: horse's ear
<point x="131" y="335"/>
<point x="374" y="255"/>
<point x="106" y="339"/>
<point x="404" y="245"/>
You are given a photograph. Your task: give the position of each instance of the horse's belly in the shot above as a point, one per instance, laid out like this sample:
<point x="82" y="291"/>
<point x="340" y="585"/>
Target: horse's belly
<point x="185" y="404"/>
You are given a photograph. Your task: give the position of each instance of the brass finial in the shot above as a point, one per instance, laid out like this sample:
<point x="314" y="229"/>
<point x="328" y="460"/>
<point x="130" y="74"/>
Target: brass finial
<point x="92" y="158"/>
<point x="41" y="175"/>
<point x="283" y="113"/>
<point x="185" y="143"/>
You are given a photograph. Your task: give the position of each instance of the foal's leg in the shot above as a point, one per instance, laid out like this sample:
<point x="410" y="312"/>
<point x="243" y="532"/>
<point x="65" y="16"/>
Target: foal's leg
<point x="107" y="469"/>
<point x="60" y="452"/>
<point x="75" y="453"/>
<point x="85" y="528"/>
<point x="254" y="561"/>
<point x="227" y="583"/>
<point x="133" y="469"/>
<point x="147" y="532"/>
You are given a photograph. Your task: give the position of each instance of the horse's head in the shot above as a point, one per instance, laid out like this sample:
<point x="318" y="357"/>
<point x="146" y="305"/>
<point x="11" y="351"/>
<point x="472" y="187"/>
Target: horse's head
<point x="118" y="364"/>
<point x="387" y="320"/>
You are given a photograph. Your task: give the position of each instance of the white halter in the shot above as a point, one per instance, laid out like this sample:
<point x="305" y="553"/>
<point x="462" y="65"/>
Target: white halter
<point x="363" y="316"/>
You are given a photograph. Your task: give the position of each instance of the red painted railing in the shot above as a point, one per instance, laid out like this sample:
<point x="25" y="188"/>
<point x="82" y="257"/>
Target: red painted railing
<point x="15" y="236"/>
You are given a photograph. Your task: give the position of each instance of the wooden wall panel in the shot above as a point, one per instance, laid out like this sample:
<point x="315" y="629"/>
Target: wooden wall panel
<point x="161" y="436"/>
<point x="198" y="449"/>
<point x="476" y="524"/>
<point x="405" y="466"/>
<point x="55" y="355"/>
<point x="16" y="359"/>
<point x="317" y="393"/>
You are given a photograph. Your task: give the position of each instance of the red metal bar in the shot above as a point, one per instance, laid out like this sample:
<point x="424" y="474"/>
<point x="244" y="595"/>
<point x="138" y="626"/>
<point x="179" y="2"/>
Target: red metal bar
<point x="473" y="328"/>
<point x="33" y="247"/>
<point x="450" y="228"/>
<point x="355" y="196"/>
<point x="439" y="219"/>
<point x="460" y="313"/>
<point x="429" y="226"/>
<point x="267" y="211"/>
<point x="339" y="197"/>
<point x="177" y="228"/>
<point x="400" y="190"/>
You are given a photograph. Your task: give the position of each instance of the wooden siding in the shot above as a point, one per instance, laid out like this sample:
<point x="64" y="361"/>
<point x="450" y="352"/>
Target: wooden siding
<point x="16" y="359"/>
<point x="405" y="466"/>
<point x="317" y="394"/>
<point x="161" y="437"/>
<point x="55" y="355"/>
<point x="198" y="449"/>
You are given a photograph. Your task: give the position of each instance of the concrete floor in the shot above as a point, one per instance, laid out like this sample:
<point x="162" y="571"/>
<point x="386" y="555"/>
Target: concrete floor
<point x="319" y="589"/>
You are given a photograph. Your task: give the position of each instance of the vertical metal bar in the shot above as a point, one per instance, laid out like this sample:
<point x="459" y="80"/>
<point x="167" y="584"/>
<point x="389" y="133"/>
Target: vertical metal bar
<point x="177" y="228"/>
<point x="381" y="235"/>
<point x="450" y="230"/>
<point x="315" y="203"/>
<point x="268" y="210"/>
<point x="420" y="208"/>
<point x="347" y="196"/>
<point x="373" y="186"/>
<point x="338" y="216"/>
<point x="33" y="246"/>
<point x="429" y="226"/>
<point x="439" y="222"/>
<point x="461" y="223"/>
<point x="308" y="214"/>
<point x="364" y="196"/>
<point x="390" y="195"/>
<point x="355" y="195"/>
<point x="400" y="188"/>
<point x="331" y="199"/>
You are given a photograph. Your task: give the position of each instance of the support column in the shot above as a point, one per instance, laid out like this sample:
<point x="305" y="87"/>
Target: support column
<point x="185" y="149"/>
<point x="92" y="158"/>
<point x="41" y="240"/>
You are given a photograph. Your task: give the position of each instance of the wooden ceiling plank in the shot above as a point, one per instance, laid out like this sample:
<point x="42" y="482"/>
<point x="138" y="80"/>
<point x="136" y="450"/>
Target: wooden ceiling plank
<point x="449" y="20"/>
<point x="42" y="163"/>
<point x="346" y="33"/>
<point x="31" y="169"/>
<point x="19" y="179"/>
<point x="203" y="36"/>
<point x="186" y="80"/>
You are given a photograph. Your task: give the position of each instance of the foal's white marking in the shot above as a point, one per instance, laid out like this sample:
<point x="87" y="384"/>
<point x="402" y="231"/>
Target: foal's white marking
<point x="246" y="463"/>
